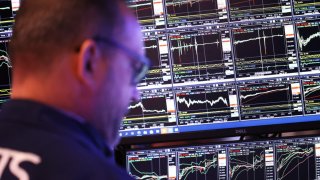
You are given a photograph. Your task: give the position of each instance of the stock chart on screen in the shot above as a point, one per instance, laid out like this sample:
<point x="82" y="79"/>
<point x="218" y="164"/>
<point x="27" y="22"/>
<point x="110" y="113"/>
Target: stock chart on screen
<point x="279" y="159"/>
<point x="219" y="64"/>
<point x="215" y="64"/>
<point x="7" y="9"/>
<point x="195" y="12"/>
<point x="5" y="72"/>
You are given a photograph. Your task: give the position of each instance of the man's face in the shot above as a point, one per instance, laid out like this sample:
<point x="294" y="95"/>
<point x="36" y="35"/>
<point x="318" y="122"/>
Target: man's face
<point x="116" y="89"/>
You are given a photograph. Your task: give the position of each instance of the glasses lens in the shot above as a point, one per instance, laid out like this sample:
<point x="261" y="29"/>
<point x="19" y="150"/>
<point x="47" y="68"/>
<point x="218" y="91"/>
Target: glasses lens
<point x="142" y="73"/>
<point x="142" y="64"/>
<point x="141" y="70"/>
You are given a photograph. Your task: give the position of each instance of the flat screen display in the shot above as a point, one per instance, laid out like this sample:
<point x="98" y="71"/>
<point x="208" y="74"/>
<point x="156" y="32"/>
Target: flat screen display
<point x="218" y="66"/>
<point x="226" y="64"/>
<point x="6" y="21"/>
<point x="280" y="159"/>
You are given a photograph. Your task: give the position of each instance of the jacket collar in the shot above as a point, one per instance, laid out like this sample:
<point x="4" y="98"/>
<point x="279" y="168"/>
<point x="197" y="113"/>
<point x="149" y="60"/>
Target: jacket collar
<point x="53" y="120"/>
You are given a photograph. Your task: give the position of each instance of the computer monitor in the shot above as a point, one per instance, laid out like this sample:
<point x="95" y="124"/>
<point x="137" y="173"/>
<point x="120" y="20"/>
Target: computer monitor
<point x="281" y="159"/>
<point x="220" y="67"/>
<point x="6" y="22"/>
<point x="226" y="67"/>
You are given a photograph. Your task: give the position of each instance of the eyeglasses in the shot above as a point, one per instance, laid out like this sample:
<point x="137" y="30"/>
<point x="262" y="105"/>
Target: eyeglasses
<point x="141" y="64"/>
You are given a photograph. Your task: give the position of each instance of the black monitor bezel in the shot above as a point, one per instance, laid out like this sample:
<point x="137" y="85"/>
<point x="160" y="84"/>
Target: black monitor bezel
<point x="219" y="133"/>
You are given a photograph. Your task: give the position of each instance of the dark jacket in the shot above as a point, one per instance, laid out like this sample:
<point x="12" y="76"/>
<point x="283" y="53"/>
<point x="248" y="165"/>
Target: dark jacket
<point x="39" y="142"/>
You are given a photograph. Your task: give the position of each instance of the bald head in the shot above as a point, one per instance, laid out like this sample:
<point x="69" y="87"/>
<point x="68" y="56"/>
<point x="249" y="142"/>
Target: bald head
<point x="45" y="29"/>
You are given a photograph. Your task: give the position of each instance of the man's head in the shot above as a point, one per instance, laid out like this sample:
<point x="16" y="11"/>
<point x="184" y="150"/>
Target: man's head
<point x="79" y="56"/>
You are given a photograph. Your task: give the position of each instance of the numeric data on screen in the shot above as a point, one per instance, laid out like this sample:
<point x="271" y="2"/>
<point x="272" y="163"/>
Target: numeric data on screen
<point x="226" y="61"/>
<point x="280" y="159"/>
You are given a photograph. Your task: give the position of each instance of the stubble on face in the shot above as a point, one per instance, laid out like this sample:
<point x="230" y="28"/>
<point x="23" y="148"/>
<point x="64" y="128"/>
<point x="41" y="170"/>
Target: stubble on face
<point x="118" y="90"/>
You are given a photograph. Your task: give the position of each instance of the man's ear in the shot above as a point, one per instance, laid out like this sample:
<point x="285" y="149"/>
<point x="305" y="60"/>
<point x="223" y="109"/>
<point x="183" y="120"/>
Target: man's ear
<point x="86" y="63"/>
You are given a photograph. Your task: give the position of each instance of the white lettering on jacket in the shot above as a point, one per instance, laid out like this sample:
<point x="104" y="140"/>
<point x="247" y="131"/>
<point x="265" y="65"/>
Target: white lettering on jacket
<point x="12" y="159"/>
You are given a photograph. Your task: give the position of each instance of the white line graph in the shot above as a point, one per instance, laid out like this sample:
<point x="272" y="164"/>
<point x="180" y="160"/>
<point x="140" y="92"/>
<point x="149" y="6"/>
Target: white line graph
<point x="150" y="177"/>
<point x="261" y="93"/>
<point x="4" y="60"/>
<point x="311" y="90"/>
<point x="183" y="2"/>
<point x="5" y="8"/>
<point x="245" y="166"/>
<point x="146" y="175"/>
<point x="195" y="11"/>
<point x="285" y="159"/>
<point x="268" y="43"/>
<point x="191" y="102"/>
<point x="201" y="166"/>
<point x="258" y="38"/>
<point x="304" y="42"/>
<point x="140" y="105"/>
<point x="184" y="47"/>
<point x="151" y="47"/>
<point x="139" y="5"/>
<point x="263" y="37"/>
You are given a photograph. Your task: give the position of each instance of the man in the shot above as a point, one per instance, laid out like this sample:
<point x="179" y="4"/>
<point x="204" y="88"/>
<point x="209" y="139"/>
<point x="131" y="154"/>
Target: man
<point x="76" y="64"/>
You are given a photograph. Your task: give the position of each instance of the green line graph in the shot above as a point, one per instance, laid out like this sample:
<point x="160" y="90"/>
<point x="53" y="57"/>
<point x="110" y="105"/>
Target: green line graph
<point x="4" y="58"/>
<point x="290" y="160"/>
<point x="197" y="163"/>
<point x="248" y="164"/>
<point x="149" y="168"/>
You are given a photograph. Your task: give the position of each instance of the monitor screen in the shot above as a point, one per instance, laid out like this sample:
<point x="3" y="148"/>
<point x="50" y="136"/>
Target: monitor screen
<point x="225" y="64"/>
<point x="281" y="159"/>
<point x="6" y="22"/>
<point x="217" y="65"/>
